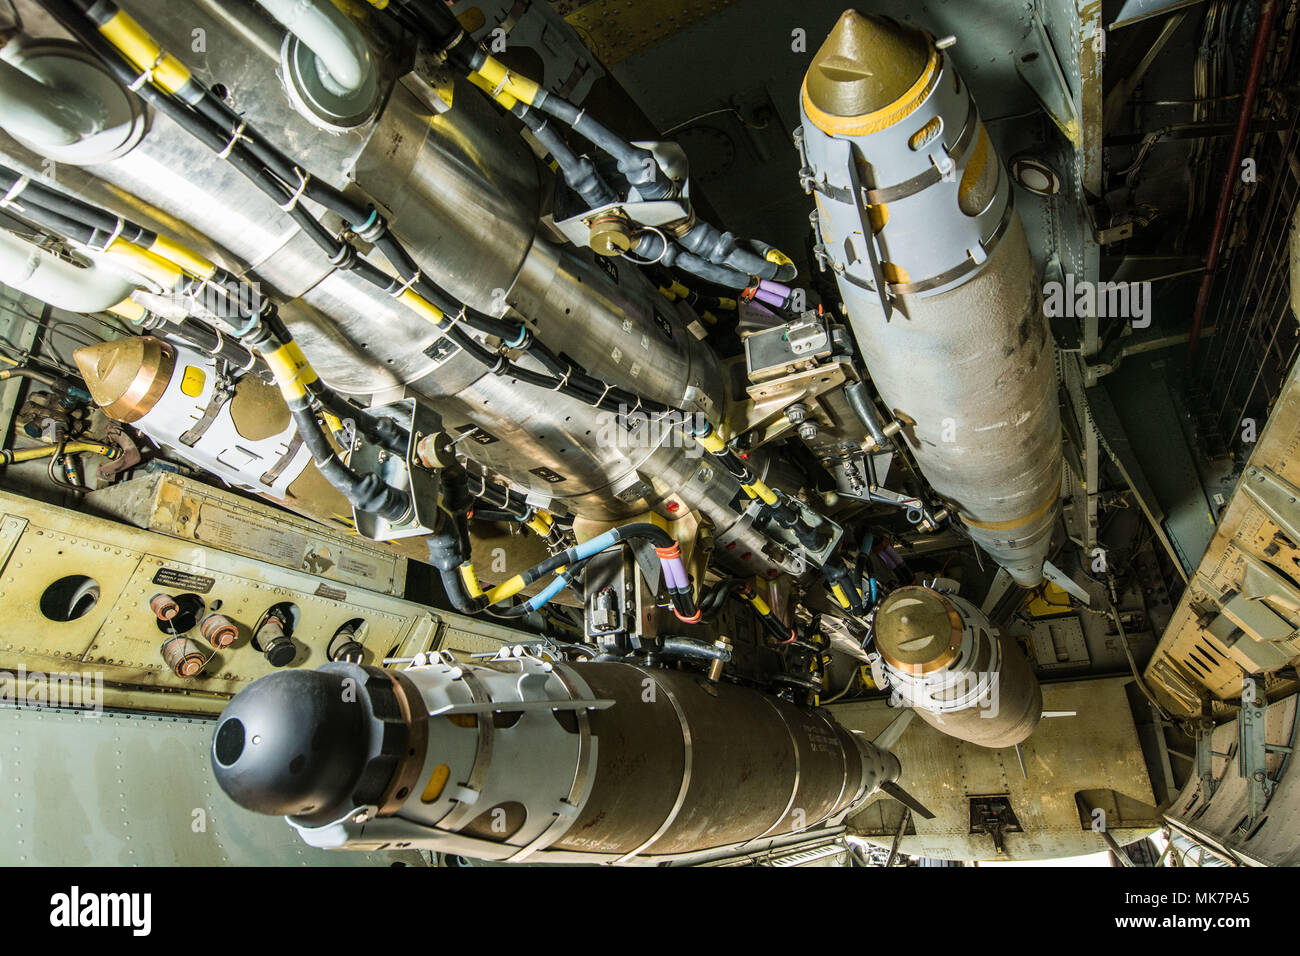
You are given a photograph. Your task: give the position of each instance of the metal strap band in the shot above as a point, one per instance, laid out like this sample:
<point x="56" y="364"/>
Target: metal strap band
<point x="910" y="187"/>
<point x="459" y="815"/>
<point x="220" y="396"/>
<point x="581" y="778"/>
<point x="686" y="772"/>
<point x="798" y="774"/>
<point x="969" y="265"/>
<point x="273" y="474"/>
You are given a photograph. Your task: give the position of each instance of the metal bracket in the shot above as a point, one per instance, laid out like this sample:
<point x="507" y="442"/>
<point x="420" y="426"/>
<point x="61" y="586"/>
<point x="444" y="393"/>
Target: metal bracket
<point x="404" y="472"/>
<point x="1042" y="73"/>
<point x="1205" y="759"/>
<point x="869" y="235"/>
<point x="1252" y="754"/>
<point x="1278" y="498"/>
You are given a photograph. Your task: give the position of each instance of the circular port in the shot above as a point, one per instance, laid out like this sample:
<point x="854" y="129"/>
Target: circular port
<point x="69" y="598"/>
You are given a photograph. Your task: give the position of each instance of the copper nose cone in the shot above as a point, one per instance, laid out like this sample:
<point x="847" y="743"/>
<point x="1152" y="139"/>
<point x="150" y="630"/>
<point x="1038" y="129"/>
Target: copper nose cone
<point x="126" y="377"/>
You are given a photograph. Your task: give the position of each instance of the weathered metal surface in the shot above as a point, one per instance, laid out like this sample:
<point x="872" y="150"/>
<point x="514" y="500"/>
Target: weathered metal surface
<point x="616" y="29"/>
<point x="1223" y="821"/>
<point x="119" y="637"/>
<point x="77" y="786"/>
<point x="1250" y="554"/>
<point x="205" y="515"/>
<point x="943" y="773"/>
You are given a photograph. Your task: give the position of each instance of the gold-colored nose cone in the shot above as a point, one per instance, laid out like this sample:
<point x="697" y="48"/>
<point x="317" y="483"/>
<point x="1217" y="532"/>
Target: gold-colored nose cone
<point x="126" y="377"/>
<point x="866" y="64"/>
<point x="917" y="630"/>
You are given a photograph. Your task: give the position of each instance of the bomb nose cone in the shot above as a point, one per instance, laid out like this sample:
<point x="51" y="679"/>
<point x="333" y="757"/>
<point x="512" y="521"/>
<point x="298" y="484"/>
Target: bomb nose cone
<point x="866" y="64"/>
<point x="917" y="630"/>
<point x="291" y="743"/>
<point x="126" y="377"/>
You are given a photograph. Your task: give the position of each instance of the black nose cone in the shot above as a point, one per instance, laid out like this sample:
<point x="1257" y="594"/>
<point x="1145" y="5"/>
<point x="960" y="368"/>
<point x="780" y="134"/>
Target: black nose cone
<point x="291" y="743"/>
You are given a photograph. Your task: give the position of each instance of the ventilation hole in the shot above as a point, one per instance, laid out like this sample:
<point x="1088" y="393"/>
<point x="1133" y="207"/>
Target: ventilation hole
<point x="230" y="742"/>
<point x="69" y="598"/>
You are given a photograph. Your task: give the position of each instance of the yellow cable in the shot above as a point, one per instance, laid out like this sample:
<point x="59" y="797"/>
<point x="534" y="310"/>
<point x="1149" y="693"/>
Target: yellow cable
<point x="196" y="265"/>
<point x="135" y="43"/>
<point x="421" y="306"/>
<point x="840" y="596"/>
<point x="130" y="310"/>
<point x="293" y="373"/>
<point x="148" y="264"/>
<point x="506" y="589"/>
<point x="71" y="448"/>
<point x="471" y="580"/>
<point x="503" y="82"/>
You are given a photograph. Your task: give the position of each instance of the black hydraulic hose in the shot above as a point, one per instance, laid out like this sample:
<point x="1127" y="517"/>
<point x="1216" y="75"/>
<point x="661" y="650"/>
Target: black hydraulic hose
<point x="837" y="572"/>
<point x="636" y="163"/>
<point x="445" y="555"/>
<point x="56" y="222"/>
<point x="199" y="335"/>
<point x="655" y="247"/>
<point x="441" y="27"/>
<point x="652" y="533"/>
<point x="520" y="609"/>
<point x="865" y="409"/>
<point x="721" y="248"/>
<point x="690" y="647"/>
<point x="496" y="495"/>
<point x="366" y="493"/>
<point x="488" y="513"/>
<point x="579" y="172"/>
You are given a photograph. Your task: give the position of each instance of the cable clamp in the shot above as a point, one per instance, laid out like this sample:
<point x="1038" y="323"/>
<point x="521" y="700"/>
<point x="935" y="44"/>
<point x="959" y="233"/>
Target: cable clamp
<point x="597" y="402"/>
<point x="343" y="259"/>
<point x="402" y="289"/>
<point x="303" y="179"/>
<point x="15" y="190"/>
<point x="238" y="135"/>
<point x="523" y="337"/>
<point x="112" y="236"/>
<point x="564" y="380"/>
<point x="500" y="87"/>
<point x="220" y="342"/>
<point x="147" y="75"/>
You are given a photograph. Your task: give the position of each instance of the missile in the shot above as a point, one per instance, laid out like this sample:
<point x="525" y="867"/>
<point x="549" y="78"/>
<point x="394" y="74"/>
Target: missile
<point x="522" y="758"/>
<point x="915" y="217"/>
<point x="946" y="660"/>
